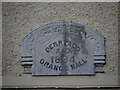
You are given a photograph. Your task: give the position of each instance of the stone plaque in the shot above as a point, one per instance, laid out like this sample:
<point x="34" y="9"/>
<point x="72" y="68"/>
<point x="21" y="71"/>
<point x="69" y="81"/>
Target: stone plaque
<point x="63" y="48"/>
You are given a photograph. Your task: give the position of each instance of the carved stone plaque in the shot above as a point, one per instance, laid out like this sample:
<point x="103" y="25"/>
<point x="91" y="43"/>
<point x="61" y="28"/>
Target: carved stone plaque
<point x="63" y="48"/>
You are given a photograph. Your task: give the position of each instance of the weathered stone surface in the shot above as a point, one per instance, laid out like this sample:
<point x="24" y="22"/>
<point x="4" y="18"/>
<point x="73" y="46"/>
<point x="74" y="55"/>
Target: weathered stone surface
<point x="18" y="19"/>
<point x="63" y="48"/>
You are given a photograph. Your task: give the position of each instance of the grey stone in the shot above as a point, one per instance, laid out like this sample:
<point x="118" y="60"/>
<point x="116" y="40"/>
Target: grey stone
<point x="63" y="48"/>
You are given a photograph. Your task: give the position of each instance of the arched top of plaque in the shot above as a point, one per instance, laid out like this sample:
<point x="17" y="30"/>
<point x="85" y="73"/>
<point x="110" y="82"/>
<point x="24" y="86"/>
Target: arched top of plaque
<point x="63" y="48"/>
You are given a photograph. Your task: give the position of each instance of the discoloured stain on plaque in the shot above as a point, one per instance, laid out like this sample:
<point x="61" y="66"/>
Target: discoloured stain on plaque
<point x="63" y="51"/>
<point x="63" y="48"/>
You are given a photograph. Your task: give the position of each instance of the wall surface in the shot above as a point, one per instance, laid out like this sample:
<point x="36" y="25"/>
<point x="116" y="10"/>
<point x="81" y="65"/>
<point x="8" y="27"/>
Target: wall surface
<point x="0" y="44"/>
<point x="18" y="19"/>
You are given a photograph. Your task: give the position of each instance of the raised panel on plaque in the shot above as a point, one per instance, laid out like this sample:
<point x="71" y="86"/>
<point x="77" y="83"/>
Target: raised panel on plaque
<point x="63" y="48"/>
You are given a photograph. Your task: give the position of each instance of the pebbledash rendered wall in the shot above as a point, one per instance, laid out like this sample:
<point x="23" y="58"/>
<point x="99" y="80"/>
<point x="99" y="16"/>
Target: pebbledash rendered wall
<point x="18" y="19"/>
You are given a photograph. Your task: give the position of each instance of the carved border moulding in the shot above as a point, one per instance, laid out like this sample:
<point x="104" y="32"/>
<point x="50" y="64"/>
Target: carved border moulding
<point x="63" y="48"/>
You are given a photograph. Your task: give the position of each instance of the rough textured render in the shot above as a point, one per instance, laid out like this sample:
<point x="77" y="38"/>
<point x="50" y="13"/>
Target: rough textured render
<point x="0" y="44"/>
<point x="21" y="18"/>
